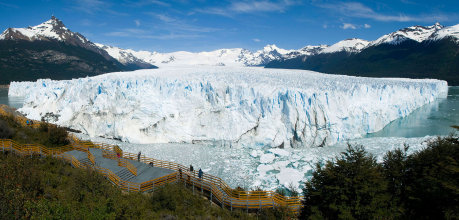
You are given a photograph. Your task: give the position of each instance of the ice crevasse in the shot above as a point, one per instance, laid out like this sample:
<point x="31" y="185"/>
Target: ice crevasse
<point x="237" y="107"/>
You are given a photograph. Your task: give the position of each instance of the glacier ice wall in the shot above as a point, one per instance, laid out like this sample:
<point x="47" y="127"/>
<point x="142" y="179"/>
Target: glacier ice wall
<point x="240" y="107"/>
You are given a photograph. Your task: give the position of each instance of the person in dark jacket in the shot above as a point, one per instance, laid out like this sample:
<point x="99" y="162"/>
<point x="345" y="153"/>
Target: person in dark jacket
<point x="180" y="173"/>
<point x="200" y="174"/>
<point x="138" y="155"/>
<point x="191" y="172"/>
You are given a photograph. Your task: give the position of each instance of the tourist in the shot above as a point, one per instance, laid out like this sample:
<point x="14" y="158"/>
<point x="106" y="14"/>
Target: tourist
<point x="200" y="174"/>
<point x="118" y="154"/>
<point x="180" y="173"/>
<point x="27" y="122"/>
<point x="151" y="164"/>
<point x="138" y="155"/>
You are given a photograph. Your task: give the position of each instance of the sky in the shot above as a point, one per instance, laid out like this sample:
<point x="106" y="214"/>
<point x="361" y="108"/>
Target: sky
<point x="202" y="25"/>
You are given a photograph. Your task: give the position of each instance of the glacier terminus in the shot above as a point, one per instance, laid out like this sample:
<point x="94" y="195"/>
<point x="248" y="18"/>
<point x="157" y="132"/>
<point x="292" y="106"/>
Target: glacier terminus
<point x="240" y="107"/>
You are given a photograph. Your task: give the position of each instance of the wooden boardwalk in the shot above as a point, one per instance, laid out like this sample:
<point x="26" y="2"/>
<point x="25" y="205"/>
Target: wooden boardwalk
<point x="130" y="174"/>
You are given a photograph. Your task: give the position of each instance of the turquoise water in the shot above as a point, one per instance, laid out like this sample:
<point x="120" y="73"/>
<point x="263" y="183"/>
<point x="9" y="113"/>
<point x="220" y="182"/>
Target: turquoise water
<point x="15" y="102"/>
<point x="432" y="119"/>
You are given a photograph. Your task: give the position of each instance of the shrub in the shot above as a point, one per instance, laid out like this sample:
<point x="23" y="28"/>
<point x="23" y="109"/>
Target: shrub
<point x="351" y="187"/>
<point x="432" y="183"/>
<point x="5" y="131"/>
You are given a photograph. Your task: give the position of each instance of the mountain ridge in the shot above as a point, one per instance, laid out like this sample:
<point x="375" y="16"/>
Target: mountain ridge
<point x="51" y="50"/>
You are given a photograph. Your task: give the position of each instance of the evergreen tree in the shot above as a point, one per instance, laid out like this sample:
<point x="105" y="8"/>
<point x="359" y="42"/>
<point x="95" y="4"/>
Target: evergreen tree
<point x="351" y="187"/>
<point x="433" y="181"/>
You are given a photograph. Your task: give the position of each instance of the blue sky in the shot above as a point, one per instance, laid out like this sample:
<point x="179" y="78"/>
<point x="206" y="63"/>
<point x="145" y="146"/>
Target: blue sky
<point x="203" y="25"/>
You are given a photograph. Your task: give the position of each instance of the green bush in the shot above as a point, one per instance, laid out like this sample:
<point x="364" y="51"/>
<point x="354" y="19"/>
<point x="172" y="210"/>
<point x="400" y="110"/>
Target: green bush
<point x="47" y="134"/>
<point x="424" y="185"/>
<point x="351" y="187"/>
<point x="5" y="131"/>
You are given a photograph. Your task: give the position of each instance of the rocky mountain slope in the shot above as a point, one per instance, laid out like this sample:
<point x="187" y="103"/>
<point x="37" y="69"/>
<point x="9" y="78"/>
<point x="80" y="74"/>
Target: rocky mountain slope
<point x="50" y="50"/>
<point x="413" y="52"/>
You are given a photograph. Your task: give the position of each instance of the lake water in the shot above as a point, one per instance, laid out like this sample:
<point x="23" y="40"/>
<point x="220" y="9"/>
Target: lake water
<point x="432" y="119"/>
<point x="15" y="102"/>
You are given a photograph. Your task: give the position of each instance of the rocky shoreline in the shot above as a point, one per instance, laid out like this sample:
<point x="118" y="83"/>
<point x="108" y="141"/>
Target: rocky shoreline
<point x="4" y="86"/>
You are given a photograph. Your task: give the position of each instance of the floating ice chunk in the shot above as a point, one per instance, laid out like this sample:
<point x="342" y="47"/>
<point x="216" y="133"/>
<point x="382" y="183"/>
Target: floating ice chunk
<point x="279" y="152"/>
<point x="289" y="176"/>
<point x="254" y="153"/>
<point x="206" y="170"/>
<point x="259" y="152"/>
<point x="279" y="165"/>
<point x="267" y="158"/>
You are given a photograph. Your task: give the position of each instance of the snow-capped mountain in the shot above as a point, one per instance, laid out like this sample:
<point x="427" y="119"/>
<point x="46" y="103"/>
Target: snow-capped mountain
<point x="221" y="57"/>
<point x="50" y="30"/>
<point x="446" y="32"/>
<point x="416" y="33"/>
<point x="413" y="52"/>
<point x="352" y="45"/>
<point x="51" y="50"/>
<point x="124" y="56"/>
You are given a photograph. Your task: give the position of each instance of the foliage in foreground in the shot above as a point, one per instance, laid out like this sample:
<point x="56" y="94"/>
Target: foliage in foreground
<point x="48" y="188"/>
<point x="48" y="135"/>
<point x="424" y="185"/>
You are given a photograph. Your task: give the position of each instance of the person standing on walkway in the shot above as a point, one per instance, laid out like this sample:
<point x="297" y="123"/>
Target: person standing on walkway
<point x="200" y="174"/>
<point x="191" y="171"/>
<point x="27" y="122"/>
<point x="180" y="173"/>
<point x="138" y="155"/>
<point x="118" y="155"/>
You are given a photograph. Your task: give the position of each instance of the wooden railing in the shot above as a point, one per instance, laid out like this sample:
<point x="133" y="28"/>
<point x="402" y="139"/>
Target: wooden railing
<point x="215" y="185"/>
<point x="125" y="163"/>
<point x="91" y="157"/>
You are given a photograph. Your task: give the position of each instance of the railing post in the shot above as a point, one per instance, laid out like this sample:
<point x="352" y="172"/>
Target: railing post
<point x="211" y="195"/>
<point x="247" y="194"/>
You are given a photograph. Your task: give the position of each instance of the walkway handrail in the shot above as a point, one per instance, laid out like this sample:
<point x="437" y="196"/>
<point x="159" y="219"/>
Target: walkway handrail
<point x="109" y="154"/>
<point x="125" y="163"/>
<point x="91" y="157"/>
<point x="233" y="198"/>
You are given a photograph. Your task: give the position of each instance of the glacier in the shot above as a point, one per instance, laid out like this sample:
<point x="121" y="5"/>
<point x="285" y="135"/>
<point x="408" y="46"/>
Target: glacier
<point x="227" y="106"/>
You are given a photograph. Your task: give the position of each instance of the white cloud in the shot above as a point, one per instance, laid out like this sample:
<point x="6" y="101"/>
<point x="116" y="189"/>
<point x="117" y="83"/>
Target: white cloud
<point x="9" y="5"/>
<point x="324" y="26"/>
<point x="162" y="17"/>
<point x="257" y="40"/>
<point x="248" y="7"/>
<point x="94" y="6"/>
<point x="240" y="7"/>
<point x="347" y="25"/>
<point x="137" y="23"/>
<point x="359" y="10"/>
<point x="367" y="26"/>
<point x="86" y="22"/>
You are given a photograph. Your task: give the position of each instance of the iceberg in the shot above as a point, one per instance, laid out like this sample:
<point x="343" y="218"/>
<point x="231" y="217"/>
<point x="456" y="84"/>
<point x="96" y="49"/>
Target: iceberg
<point x="226" y="106"/>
